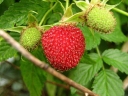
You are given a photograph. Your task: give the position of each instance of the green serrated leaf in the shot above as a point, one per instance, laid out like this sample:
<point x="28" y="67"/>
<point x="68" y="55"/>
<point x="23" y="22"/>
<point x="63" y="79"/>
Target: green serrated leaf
<point x="50" y="78"/>
<point x="17" y="14"/>
<point x="86" y="69"/>
<point x="117" y="36"/>
<point x="6" y="50"/>
<point x="107" y="83"/>
<point x="61" y="5"/>
<point x="117" y="59"/>
<point x="92" y="39"/>
<point x="39" y="54"/>
<point x="31" y="78"/>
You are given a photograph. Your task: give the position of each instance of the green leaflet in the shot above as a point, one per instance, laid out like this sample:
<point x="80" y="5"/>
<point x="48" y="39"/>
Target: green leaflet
<point x="107" y="83"/>
<point x="51" y="86"/>
<point x="17" y="14"/>
<point x="86" y="69"/>
<point x="92" y="39"/>
<point x="117" y="59"/>
<point x="117" y="36"/>
<point x="6" y="50"/>
<point x="33" y="76"/>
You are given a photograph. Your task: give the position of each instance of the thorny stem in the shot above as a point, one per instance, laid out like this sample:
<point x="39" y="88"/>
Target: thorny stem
<point x="42" y="20"/>
<point x="43" y="65"/>
<point x="97" y="49"/>
<point x="120" y="11"/>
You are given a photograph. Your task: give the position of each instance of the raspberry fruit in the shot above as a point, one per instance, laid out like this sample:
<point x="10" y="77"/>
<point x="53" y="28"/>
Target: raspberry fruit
<point x="63" y="46"/>
<point x="100" y="19"/>
<point x="30" y="38"/>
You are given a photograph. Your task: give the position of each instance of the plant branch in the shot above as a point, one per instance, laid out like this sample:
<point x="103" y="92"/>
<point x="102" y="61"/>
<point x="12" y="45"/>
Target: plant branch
<point x="13" y="65"/>
<point x="67" y="87"/>
<point x="43" y="65"/>
<point x="60" y="85"/>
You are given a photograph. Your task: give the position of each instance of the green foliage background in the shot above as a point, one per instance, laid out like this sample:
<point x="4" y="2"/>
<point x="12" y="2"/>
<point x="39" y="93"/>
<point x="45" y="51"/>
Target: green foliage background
<point x="94" y="69"/>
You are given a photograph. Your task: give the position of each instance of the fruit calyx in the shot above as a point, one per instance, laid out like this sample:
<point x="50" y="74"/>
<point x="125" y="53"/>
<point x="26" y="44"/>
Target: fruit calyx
<point x="63" y="46"/>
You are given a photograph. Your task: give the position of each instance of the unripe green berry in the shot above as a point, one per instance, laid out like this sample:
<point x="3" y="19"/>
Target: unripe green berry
<point x="100" y="19"/>
<point x="30" y="38"/>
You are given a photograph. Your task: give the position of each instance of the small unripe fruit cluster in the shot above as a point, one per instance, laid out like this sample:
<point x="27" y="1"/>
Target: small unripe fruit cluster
<point x="63" y="46"/>
<point x="30" y="37"/>
<point x="100" y="19"/>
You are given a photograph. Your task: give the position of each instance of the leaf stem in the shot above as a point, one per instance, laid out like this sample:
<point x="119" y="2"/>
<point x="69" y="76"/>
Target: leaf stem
<point x="61" y="6"/>
<point x="120" y="11"/>
<point x="67" y="4"/>
<point x="13" y="65"/>
<point x="42" y="20"/>
<point x="98" y="51"/>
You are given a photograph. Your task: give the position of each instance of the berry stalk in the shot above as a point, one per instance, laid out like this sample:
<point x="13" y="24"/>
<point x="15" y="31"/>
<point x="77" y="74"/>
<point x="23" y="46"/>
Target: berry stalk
<point x="42" y="20"/>
<point x="120" y="11"/>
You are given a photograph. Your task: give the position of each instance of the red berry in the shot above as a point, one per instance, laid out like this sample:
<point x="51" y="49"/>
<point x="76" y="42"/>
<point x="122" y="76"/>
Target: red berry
<point x="63" y="46"/>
